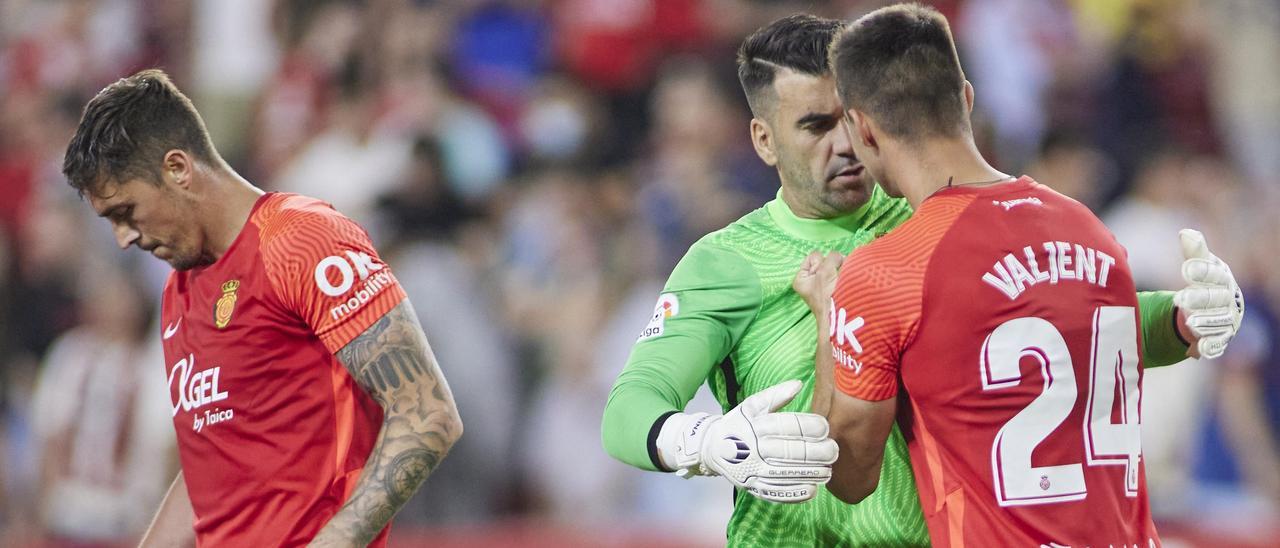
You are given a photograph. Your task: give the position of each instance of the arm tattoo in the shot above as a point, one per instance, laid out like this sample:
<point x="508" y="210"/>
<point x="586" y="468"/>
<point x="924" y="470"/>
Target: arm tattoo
<point x="393" y="363"/>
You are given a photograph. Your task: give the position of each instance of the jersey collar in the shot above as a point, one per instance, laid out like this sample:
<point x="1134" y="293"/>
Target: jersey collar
<point x="820" y="229"/>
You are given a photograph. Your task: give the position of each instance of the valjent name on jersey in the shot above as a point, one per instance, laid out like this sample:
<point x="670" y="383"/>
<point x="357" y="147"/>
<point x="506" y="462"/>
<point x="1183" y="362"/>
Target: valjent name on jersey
<point x="1013" y="274"/>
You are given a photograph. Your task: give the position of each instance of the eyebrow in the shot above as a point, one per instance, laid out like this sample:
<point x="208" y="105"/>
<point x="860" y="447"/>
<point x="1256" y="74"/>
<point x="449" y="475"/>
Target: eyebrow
<point x="814" y="118"/>
<point x="111" y="210"/>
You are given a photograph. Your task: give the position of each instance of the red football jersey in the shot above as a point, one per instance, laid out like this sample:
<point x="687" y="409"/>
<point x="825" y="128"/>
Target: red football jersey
<point x="1005" y="319"/>
<point x="272" y="430"/>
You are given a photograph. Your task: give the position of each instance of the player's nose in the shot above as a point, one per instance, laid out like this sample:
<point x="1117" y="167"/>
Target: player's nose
<point x="840" y="143"/>
<point x="125" y="235"/>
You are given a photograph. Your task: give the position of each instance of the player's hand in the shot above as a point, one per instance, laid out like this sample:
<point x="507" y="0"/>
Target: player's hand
<point x="816" y="279"/>
<point x="1212" y="301"/>
<point x="780" y="457"/>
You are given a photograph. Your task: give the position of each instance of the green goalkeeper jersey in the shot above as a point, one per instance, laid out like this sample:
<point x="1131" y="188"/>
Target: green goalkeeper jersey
<point x="729" y="317"/>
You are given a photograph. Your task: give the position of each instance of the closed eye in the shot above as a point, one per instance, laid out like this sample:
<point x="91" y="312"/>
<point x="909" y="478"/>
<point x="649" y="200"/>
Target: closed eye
<point x="119" y="213"/>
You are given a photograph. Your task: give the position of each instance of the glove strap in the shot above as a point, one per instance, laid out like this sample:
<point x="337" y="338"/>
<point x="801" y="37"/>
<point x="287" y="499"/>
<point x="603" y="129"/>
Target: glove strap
<point x="679" y="443"/>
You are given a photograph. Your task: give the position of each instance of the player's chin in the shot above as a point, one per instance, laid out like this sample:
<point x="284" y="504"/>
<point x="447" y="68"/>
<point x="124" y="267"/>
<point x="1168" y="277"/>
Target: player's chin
<point x="180" y="262"/>
<point x="848" y="192"/>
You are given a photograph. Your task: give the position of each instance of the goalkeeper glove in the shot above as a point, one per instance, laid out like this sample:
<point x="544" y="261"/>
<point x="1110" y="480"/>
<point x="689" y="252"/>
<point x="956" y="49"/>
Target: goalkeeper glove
<point x="780" y="457"/>
<point x="1212" y="301"/>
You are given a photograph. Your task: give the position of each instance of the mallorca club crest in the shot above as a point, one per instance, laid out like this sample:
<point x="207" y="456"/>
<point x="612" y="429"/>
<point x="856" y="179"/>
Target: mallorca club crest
<point x="226" y="304"/>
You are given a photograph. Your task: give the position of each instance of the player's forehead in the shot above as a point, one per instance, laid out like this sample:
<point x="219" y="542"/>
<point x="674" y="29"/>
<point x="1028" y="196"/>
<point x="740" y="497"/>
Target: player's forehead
<point x="109" y="193"/>
<point x="801" y="94"/>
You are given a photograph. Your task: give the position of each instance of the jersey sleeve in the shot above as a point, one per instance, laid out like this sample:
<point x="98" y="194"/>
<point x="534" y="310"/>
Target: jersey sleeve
<point x="325" y="270"/>
<point x="874" y="314"/>
<point x="1161" y="344"/>
<point x="707" y="304"/>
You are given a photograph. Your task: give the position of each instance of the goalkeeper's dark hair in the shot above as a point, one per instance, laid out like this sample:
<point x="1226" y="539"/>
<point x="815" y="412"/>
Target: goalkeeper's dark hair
<point x="797" y="42"/>
<point x="128" y="127"/>
<point x="899" y="65"/>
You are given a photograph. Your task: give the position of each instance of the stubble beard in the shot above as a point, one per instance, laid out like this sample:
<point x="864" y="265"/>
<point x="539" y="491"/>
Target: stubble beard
<point x="829" y="203"/>
<point x="181" y="263"/>
<point x="845" y="201"/>
<point x="188" y="261"/>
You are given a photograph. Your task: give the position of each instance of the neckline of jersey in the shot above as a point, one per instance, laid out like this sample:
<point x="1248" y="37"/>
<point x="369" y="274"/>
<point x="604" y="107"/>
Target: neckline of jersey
<point x="1016" y="184"/>
<point x="820" y="230"/>
<point x="243" y="229"/>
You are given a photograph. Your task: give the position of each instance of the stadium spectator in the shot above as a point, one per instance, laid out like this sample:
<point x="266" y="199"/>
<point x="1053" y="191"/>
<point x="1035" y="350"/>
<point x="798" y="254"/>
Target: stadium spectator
<point x="102" y="422"/>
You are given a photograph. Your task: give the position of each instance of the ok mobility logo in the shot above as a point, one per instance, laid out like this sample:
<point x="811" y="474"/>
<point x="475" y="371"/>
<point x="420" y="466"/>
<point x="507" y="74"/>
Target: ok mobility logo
<point x="844" y="330"/>
<point x="373" y="280"/>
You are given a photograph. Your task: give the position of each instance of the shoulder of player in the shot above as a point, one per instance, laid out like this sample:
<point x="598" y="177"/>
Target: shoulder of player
<point x="892" y="250"/>
<point x="291" y="215"/>
<point x="731" y="237"/>
<point x="747" y="228"/>
<point x="719" y="276"/>
<point x="924" y="229"/>
<point x="882" y="280"/>
<point x="757" y="240"/>
<point x="1067" y="203"/>
<point x="901" y="256"/>
<point x="715" y="258"/>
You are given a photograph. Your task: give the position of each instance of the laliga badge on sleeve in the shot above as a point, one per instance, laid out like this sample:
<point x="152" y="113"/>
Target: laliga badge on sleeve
<point x="668" y="306"/>
<point x="226" y="304"/>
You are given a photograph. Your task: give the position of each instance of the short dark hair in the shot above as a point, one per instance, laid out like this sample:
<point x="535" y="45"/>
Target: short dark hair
<point x="797" y="42"/>
<point x="127" y="128"/>
<point x="899" y="65"/>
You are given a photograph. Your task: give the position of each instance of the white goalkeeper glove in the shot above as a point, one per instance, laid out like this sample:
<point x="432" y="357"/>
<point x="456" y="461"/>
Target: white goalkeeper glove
<point x="1212" y="301"/>
<point x="780" y="457"/>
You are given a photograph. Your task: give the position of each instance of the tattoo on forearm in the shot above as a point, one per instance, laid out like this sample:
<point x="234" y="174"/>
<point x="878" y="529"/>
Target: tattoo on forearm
<point x="407" y="471"/>
<point x="393" y="362"/>
<point x="390" y="369"/>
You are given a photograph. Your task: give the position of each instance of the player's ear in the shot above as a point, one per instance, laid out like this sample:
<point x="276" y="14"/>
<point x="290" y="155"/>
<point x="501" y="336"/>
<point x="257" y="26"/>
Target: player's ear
<point x="968" y="97"/>
<point x="177" y="168"/>
<point x="861" y="127"/>
<point x="762" y="140"/>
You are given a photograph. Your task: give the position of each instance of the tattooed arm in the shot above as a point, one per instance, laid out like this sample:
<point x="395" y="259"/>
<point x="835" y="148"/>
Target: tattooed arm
<point x="393" y="363"/>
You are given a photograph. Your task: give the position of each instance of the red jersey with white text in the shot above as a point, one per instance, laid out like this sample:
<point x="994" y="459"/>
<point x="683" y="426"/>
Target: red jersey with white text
<point x="272" y="431"/>
<point x="1005" y="320"/>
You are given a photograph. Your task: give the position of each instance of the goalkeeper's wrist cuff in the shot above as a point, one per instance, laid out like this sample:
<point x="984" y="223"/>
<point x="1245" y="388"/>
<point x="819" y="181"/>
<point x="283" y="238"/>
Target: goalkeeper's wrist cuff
<point x="679" y="443"/>
<point x="652" y="442"/>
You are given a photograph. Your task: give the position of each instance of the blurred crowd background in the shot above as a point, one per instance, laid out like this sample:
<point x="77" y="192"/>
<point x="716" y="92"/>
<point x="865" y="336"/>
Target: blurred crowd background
<point x="533" y="169"/>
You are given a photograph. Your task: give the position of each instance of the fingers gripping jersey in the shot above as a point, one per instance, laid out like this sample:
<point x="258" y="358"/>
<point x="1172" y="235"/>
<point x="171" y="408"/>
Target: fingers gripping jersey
<point x="1007" y="316"/>
<point x="272" y="431"/>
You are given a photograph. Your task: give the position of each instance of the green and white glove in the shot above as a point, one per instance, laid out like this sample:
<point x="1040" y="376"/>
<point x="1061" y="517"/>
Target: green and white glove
<point x="1212" y="301"/>
<point x="780" y="457"/>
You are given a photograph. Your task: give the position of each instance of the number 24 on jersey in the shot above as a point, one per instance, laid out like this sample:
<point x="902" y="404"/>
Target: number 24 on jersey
<point x="1113" y="360"/>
